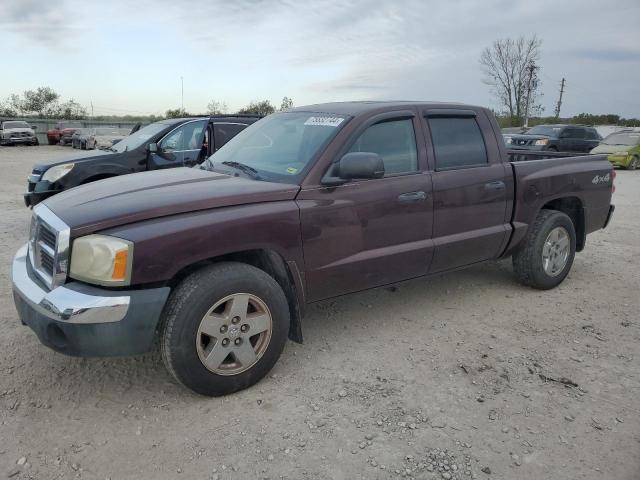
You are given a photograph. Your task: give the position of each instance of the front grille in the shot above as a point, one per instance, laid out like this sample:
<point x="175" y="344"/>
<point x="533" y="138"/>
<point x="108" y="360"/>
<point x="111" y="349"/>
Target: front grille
<point x="20" y="135"/>
<point x="48" y="246"/>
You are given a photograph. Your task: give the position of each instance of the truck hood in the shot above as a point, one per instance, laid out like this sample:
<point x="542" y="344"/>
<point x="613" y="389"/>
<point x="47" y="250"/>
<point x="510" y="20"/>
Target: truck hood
<point x="142" y="196"/>
<point x="19" y="130"/>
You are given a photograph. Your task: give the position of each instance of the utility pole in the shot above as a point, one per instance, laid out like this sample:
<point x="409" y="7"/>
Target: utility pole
<point x="91" y="108"/>
<point x="560" y="99"/>
<point x="532" y="69"/>
<point x="182" y="95"/>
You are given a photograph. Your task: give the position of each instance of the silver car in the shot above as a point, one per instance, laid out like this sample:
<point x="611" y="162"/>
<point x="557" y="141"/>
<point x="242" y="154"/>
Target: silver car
<point x="105" y="137"/>
<point x="14" y="132"/>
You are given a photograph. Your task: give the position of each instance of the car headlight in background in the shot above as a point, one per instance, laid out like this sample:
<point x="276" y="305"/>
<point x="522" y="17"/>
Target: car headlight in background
<point x="56" y="173"/>
<point x="542" y="141"/>
<point x="102" y="260"/>
<point x="621" y="154"/>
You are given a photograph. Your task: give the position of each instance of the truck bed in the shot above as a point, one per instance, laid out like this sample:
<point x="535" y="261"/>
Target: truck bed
<point x="583" y="181"/>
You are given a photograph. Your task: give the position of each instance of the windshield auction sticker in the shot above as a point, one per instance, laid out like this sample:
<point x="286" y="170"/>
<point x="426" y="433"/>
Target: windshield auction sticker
<point x="324" y="121"/>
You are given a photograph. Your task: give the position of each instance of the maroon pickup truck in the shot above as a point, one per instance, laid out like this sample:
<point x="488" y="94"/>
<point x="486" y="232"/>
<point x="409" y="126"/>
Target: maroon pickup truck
<point x="216" y="264"/>
<point x="62" y="132"/>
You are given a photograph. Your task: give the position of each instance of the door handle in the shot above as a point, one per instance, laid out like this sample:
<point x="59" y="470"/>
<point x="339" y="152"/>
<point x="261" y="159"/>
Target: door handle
<point x="412" y="197"/>
<point x="493" y="186"/>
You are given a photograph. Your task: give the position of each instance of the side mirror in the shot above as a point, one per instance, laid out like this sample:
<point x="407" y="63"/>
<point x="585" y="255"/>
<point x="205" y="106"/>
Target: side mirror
<point x="356" y="165"/>
<point x="153" y="147"/>
<point x="34" y="127"/>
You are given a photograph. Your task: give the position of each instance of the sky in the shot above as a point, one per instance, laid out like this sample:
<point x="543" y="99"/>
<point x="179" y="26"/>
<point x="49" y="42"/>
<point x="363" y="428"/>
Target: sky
<point x="128" y="57"/>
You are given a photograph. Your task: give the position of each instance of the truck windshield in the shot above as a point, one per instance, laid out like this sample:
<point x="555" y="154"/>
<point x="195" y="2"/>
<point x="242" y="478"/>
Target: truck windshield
<point x="278" y="148"/>
<point x="8" y="125"/>
<point x="139" y="138"/>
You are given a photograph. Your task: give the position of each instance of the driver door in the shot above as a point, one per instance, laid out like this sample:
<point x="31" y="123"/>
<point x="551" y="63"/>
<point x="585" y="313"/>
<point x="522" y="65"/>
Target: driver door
<point x="181" y="146"/>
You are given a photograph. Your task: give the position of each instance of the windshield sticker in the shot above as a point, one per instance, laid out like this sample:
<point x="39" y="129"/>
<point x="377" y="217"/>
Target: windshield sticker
<point x="324" y="121"/>
<point x="292" y="170"/>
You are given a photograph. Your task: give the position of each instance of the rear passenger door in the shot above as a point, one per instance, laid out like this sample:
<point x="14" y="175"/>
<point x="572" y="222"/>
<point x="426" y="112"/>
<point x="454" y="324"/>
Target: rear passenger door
<point x="470" y="189"/>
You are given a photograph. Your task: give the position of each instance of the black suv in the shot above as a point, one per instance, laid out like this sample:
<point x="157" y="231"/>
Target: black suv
<point x="556" y="138"/>
<point x="176" y="142"/>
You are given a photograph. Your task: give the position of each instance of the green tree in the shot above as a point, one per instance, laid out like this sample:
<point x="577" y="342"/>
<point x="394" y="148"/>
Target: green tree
<point x="42" y="101"/>
<point x="72" y="110"/>
<point x="176" y="113"/>
<point x="286" y="104"/>
<point x="216" y="108"/>
<point x="263" y="107"/>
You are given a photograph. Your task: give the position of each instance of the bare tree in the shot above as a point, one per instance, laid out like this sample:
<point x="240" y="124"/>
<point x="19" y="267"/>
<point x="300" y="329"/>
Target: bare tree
<point x="510" y="68"/>
<point x="215" y="107"/>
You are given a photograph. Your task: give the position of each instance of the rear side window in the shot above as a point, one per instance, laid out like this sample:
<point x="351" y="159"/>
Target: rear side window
<point x="223" y="132"/>
<point x="592" y="134"/>
<point x="457" y="142"/>
<point x="394" y="141"/>
<point x="573" y="132"/>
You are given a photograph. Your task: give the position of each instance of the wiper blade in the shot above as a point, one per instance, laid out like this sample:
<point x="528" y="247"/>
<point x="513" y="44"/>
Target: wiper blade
<point x="252" y="172"/>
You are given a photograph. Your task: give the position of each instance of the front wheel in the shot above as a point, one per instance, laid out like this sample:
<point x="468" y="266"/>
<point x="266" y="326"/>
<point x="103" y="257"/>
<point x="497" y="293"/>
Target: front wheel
<point x="633" y="164"/>
<point x="548" y="250"/>
<point x="223" y="328"/>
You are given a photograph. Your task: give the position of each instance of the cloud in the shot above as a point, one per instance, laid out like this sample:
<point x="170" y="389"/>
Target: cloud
<point x="46" y="23"/>
<point x="609" y="54"/>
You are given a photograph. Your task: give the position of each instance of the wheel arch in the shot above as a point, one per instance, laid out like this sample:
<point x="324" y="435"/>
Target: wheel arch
<point x="285" y="273"/>
<point x="571" y="206"/>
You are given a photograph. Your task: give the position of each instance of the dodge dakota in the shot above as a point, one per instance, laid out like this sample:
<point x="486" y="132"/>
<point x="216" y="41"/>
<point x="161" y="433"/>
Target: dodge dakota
<point x="214" y="265"/>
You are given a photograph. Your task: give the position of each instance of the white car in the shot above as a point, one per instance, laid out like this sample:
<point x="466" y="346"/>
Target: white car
<point x="13" y="132"/>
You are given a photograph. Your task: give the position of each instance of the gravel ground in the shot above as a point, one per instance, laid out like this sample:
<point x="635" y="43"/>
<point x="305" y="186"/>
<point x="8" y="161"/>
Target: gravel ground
<point x="437" y="378"/>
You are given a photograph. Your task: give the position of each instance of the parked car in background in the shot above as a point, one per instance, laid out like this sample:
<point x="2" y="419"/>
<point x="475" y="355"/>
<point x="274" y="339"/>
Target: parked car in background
<point x="54" y="135"/>
<point x="216" y="265"/>
<point x="14" y="132"/>
<point x="169" y="143"/>
<point x="508" y="132"/>
<point x="79" y="138"/>
<point x="556" y="138"/>
<point x="622" y="148"/>
<point x="98" y="137"/>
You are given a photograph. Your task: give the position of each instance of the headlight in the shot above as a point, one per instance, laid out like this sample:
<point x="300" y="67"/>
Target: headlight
<point x="542" y="141"/>
<point x="101" y="260"/>
<point x="621" y="154"/>
<point x="56" y="173"/>
<point x="508" y="140"/>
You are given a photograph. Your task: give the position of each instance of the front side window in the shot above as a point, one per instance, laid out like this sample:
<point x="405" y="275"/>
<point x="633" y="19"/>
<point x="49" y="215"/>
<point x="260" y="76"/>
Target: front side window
<point x="394" y="141"/>
<point x="187" y="137"/>
<point x="457" y="142"/>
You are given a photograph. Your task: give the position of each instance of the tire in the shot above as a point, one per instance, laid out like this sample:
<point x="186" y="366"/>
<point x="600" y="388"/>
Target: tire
<point x="529" y="263"/>
<point x="36" y="143"/>
<point x="184" y="345"/>
<point x="83" y="145"/>
<point x="51" y="141"/>
<point x="633" y="164"/>
<point x="552" y="149"/>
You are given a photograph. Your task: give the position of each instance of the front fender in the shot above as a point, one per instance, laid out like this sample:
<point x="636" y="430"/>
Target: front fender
<point x="164" y="246"/>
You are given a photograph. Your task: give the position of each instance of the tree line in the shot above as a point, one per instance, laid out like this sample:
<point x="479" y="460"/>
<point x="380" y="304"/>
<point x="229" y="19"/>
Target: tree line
<point x="44" y="102"/>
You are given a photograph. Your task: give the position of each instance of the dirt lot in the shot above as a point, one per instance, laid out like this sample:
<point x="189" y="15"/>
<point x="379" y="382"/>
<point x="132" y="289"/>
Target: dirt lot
<point x="440" y="372"/>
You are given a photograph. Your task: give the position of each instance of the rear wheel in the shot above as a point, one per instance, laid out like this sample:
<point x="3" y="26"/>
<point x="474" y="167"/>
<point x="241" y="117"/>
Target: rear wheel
<point x="51" y="141"/>
<point x="224" y="328"/>
<point x="547" y="252"/>
<point x="633" y="164"/>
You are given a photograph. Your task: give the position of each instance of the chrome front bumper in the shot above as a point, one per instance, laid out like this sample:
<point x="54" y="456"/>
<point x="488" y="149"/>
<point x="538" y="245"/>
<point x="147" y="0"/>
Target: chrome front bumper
<point x="63" y="303"/>
<point x="82" y="320"/>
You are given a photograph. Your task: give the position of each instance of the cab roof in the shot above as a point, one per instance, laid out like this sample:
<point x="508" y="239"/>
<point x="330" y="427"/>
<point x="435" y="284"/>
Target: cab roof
<point x="361" y="107"/>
